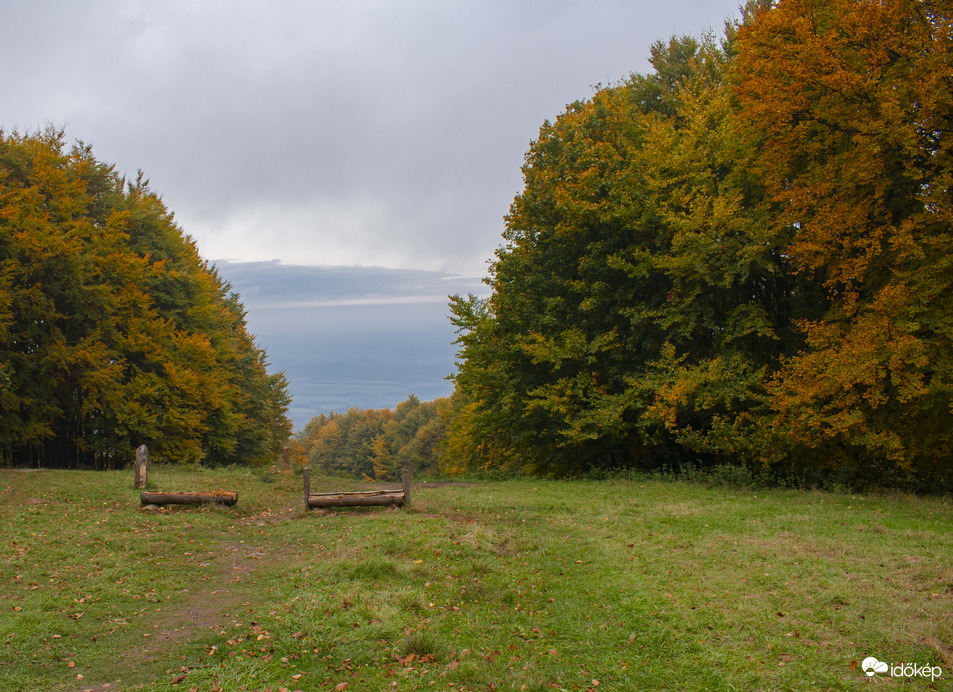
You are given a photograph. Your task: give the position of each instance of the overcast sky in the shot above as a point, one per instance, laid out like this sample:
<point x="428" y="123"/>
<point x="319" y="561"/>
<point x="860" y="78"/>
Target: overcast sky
<point x="326" y="132"/>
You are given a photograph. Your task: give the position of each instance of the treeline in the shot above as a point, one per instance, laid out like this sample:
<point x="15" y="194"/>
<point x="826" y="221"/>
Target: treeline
<point x="113" y="331"/>
<point x="743" y="257"/>
<point x="374" y="443"/>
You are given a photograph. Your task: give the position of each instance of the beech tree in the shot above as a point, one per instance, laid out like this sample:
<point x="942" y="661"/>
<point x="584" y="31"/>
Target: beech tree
<point x="113" y="331"/>
<point x="851" y="103"/>
<point x="634" y="304"/>
<point x="743" y="257"/>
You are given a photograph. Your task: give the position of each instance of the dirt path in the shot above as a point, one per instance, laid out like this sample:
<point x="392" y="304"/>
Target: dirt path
<point x="213" y="606"/>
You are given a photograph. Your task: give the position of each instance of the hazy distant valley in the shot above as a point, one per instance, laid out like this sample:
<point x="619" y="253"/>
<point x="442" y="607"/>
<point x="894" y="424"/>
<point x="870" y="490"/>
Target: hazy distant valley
<point x="351" y="336"/>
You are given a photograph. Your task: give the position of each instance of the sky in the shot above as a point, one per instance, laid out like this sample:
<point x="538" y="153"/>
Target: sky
<point x="347" y="164"/>
<point x="326" y="132"/>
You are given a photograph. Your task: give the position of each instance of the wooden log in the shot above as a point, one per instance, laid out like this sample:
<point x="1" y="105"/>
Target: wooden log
<point x="142" y="461"/>
<point x="220" y="497"/>
<point x="363" y="498"/>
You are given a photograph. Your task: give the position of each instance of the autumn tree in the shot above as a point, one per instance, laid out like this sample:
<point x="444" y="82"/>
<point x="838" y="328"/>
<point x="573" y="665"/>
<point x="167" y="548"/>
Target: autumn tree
<point x="553" y="336"/>
<point x="374" y="443"/>
<point x="742" y="257"/>
<point x="851" y="104"/>
<point x="642" y="294"/>
<point x="410" y="438"/>
<point x="113" y="331"/>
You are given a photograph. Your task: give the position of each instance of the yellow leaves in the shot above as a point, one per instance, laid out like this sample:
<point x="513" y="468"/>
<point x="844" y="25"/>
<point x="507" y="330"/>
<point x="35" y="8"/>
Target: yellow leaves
<point x="119" y="323"/>
<point x="747" y="253"/>
<point x="843" y="161"/>
<point x="845" y="98"/>
<point x="850" y="373"/>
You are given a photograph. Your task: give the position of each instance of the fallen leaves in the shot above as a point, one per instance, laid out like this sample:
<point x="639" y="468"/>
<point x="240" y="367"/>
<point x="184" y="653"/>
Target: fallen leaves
<point x="410" y="658"/>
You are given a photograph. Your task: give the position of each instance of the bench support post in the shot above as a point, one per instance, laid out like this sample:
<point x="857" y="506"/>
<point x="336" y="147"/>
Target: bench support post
<point x="405" y="480"/>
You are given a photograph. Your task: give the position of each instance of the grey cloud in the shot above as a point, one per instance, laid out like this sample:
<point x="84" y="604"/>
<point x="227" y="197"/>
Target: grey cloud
<point x="367" y="131"/>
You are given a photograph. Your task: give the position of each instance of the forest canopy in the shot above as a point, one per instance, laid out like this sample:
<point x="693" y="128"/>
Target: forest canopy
<point x="743" y="257"/>
<point x="114" y="332"/>
<point x="374" y="443"/>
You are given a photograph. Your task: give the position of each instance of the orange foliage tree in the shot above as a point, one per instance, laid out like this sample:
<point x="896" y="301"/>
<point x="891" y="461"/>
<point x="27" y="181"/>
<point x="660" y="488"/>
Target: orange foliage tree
<point x="373" y="443"/>
<point x="744" y="257"/>
<point x="113" y="330"/>
<point x="851" y="102"/>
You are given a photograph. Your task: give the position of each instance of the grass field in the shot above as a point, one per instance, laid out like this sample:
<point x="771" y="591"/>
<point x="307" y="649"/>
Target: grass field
<point x="513" y="585"/>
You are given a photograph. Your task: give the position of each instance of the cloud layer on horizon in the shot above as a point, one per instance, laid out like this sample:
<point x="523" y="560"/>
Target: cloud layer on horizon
<point x="361" y="132"/>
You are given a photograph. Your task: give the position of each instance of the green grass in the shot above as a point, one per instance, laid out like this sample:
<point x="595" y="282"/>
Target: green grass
<point x="512" y="585"/>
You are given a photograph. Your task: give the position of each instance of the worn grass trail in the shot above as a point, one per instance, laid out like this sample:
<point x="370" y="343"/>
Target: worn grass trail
<point x="527" y="585"/>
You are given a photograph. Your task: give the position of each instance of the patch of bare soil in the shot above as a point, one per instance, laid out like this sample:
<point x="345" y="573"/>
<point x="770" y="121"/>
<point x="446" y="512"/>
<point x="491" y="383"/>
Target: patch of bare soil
<point x="212" y="607"/>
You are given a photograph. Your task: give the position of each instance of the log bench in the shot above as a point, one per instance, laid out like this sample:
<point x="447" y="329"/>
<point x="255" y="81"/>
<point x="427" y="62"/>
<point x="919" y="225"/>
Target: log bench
<point x="357" y="498"/>
<point x="218" y="497"/>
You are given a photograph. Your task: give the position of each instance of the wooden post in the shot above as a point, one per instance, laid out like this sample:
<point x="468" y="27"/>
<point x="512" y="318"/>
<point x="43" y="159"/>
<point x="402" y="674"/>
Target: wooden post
<point x="142" y="460"/>
<point x="284" y="458"/>
<point x="306" y="476"/>
<point x="405" y="480"/>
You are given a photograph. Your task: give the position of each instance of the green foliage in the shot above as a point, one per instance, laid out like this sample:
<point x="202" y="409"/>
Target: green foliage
<point x="113" y="331"/>
<point x="374" y="443"/>
<point x="731" y="261"/>
<point x="615" y="318"/>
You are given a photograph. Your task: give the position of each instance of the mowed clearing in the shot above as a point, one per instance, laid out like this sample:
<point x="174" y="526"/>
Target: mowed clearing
<point x="516" y="585"/>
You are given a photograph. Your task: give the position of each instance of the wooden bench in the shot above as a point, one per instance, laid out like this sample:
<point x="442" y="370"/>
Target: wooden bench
<point x="217" y="497"/>
<point x="358" y="498"/>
